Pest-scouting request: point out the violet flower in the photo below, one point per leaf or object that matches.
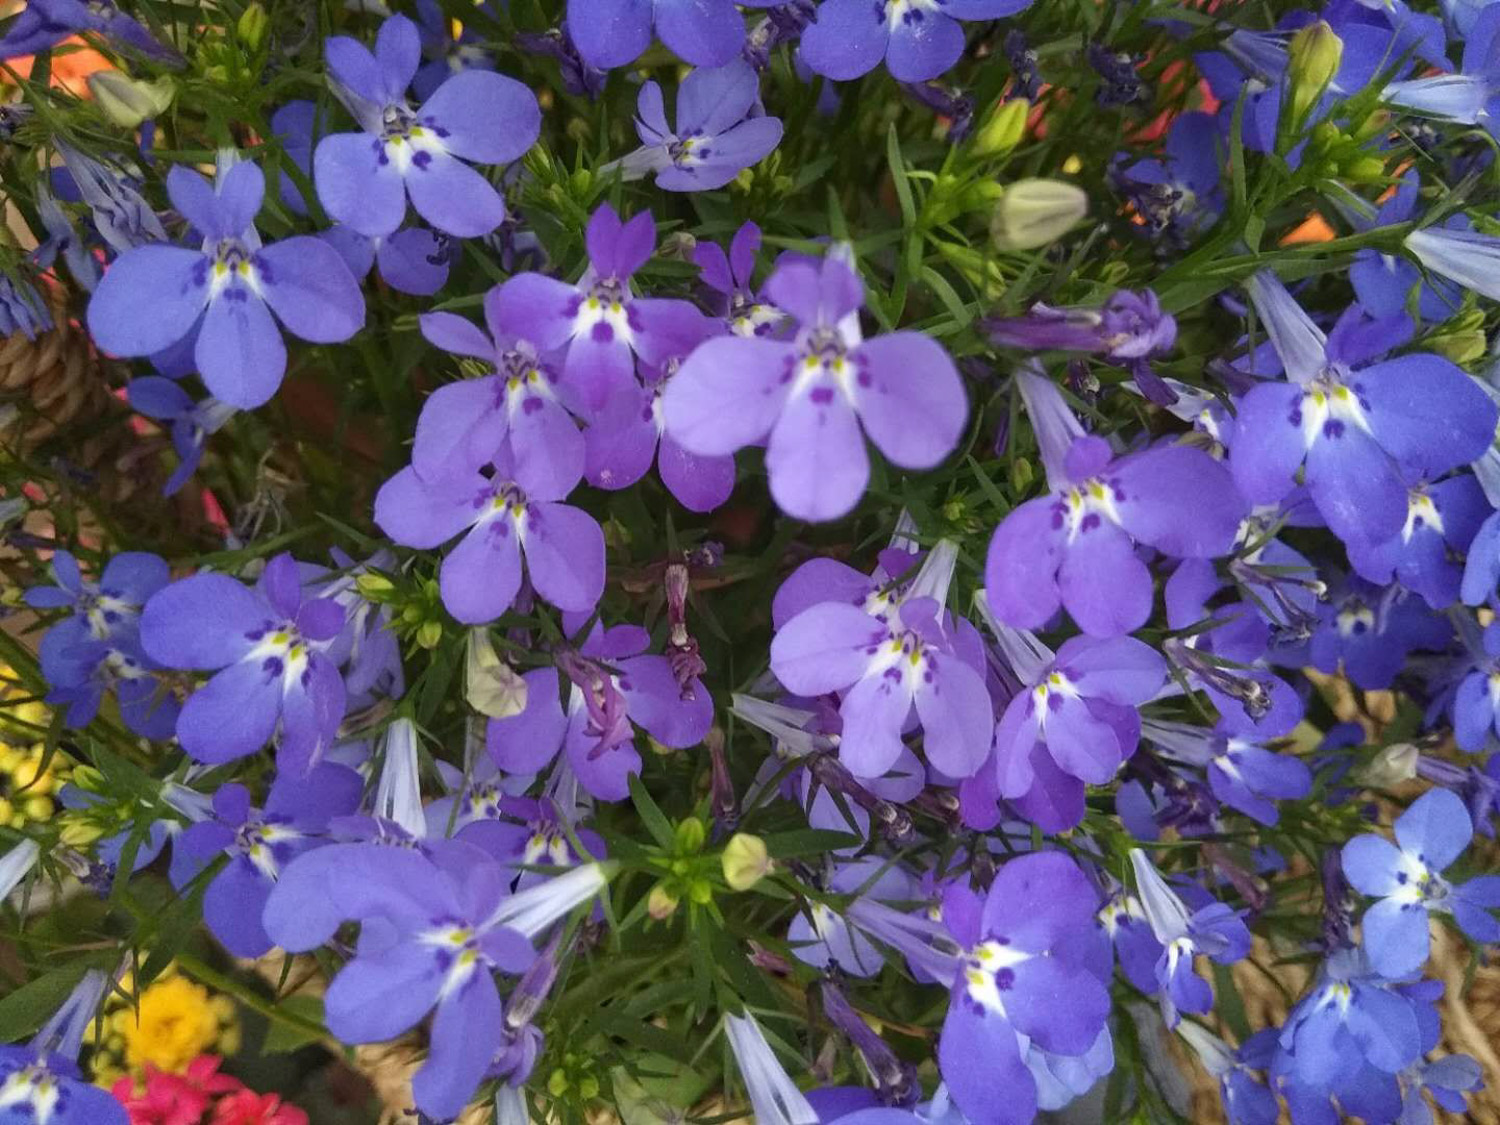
(191, 423)
(40, 1083)
(745, 311)
(271, 643)
(364, 179)
(43, 24)
(808, 397)
(917, 39)
(219, 299)
(611, 33)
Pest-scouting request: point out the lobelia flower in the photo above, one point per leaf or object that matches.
(745, 311)
(1384, 282)
(42, 24)
(1245, 1097)
(528, 833)
(599, 320)
(122, 218)
(505, 522)
(191, 423)
(432, 937)
(1347, 1039)
(412, 260)
(721, 130)
(888, 661)
(1124, 922)
(271, 642)
(611, 33)
(63, 240)
(1073, 723)
(819, 936)
(1179, 195)
(40, 1083)
(579, 78)
(1019, 971)
(773, 1095)
(1362, 431)
(1442, 520)
(1076, 547)
(629, 432)
(1407, 879)
(446, 55)
(464, 424)
(811, 395)
(1215, 931)
(1367, 633)
(97, 651)
(259, 845)
(917, 39)
(1242, 772)
(22, 308)
(220, 298)
(364, 179)
(615, 684)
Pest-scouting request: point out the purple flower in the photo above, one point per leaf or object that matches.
(888, 661)
(1215, 931)
(1178, 195)
(1073, 724)
(219, 299)
(918, 39)
(434, 935)
(1124, 921)
(1019, 971)
(191, 423)
(527, 833)
(610, 33)
(599, 319)
(1384, 282)
(364, 179)
(810, 395)
(46, 23)
(629, 433)
(563, 546)
(1242, 773)
(40, 1083)
(820, 936)
(271, 642)
(414, 260)
(615, 687)
(1245, 1097)
(745, 311)
(445, 55)
(464, 425)
(1362, 431)
(259, 845)
(1367, 632)
(122, 218)
(1442, 520)
(97, 651)
(1076, 547)
(721, 130)
(1406, 878)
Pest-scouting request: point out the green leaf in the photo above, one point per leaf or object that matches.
(29, 1006)
(651, 815)
(898, 175)
(283, 1036)
(807, 841)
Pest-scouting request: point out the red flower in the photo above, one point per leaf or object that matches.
(181, 1099)
(249, 1108)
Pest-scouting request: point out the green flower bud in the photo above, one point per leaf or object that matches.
(701, 891)
(126, 101)
(1004, 129)
(429, 634)
(690, 835)
(1313, 57)
(252, 27)
(745, 861)
(1034, 213)
(374, 586)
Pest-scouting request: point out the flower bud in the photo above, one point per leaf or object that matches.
(430, 633)
(252, 26)
(1393, 765)
(1004, 129)
(745, 861)
(127, 102)
(662, 903)
(1034, 213)
(689, 836)
(374, 586)
(492, 687)
(1313, 55)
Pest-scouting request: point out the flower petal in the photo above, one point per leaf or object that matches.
(910, 398)
(148, 300)
(486, 117)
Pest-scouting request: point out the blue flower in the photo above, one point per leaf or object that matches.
(1406, 878)
(363, 179)
(46, 23)
(721, 130)
(1215, 931)
(191, 423)
(40, 1084)
(220, 297)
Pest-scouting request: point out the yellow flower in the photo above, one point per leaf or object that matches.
(177, 1022)
(26, 789)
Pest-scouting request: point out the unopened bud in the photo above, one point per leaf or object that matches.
(374, 586)
(1034, 213)
(689, 836)
(1393, 765)
(492, 687)
(662, 902)
(1313, 57)
(745, 861)
(430, 633)
(127, 102)
(1004, 129)
(252, 26)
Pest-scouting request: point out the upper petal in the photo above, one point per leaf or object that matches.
(910, 398)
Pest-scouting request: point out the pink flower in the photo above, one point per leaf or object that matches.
(246, 1107)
